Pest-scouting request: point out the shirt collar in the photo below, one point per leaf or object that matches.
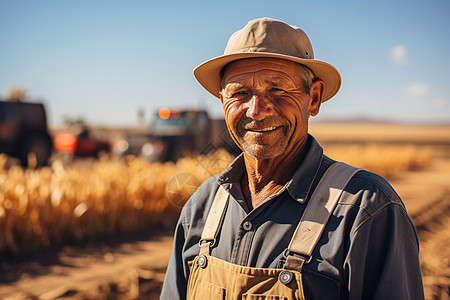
(301, 182)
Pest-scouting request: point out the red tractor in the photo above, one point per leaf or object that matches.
(78, 142)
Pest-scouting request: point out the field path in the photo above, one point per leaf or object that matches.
(420, 188)
(426, 194)
(90, 272)
(128, 270)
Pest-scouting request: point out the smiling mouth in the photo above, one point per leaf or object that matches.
(266, 129)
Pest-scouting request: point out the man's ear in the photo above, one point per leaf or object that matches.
(316, 95)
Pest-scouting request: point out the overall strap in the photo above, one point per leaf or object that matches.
(214, 220)
(317, 213)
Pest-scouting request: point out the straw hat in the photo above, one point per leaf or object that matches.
(267, 37)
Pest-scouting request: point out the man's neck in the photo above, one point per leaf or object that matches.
(265, 177)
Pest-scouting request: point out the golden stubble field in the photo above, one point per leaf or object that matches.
(74, 203)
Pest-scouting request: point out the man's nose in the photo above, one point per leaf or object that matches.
(259, 107)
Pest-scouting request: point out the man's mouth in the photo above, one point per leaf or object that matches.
(263, 129)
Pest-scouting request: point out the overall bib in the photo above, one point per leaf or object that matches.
(213, 279)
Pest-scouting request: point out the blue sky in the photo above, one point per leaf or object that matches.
(104, 60)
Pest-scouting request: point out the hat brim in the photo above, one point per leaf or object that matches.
(208, 73)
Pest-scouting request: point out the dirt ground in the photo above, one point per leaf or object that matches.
(426, 194)
(115, 268)
(133, 267)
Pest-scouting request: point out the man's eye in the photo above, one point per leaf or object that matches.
(276, 90)
(240, 93)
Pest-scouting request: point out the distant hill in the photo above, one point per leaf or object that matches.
(371, 121)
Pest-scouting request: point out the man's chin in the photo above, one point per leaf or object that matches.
(261, 152)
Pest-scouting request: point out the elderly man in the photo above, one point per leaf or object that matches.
(285, 221)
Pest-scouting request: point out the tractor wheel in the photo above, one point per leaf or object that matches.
(35, 151)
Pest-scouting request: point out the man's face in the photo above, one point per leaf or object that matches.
(266, 107)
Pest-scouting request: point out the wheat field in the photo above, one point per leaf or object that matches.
(41, 208)
(62, 203)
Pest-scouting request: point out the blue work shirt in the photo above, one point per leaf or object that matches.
(369, 248)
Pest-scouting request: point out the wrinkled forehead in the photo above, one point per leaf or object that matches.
(271, 70)
(260, 62)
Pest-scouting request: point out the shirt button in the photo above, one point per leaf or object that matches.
(247, 225)
(285, 277)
